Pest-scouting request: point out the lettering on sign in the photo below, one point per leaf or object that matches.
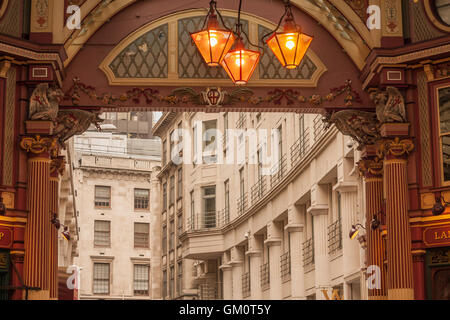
(6, 237)
(437, 236)
(2, 234)
(334, 296)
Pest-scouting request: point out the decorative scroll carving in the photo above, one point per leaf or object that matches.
(44, 104)
(73, 121)
(190, 96)
(39, 144)
(395, 147)
(58, 164)
(362, 126)
(390, 105)
(370, 167)
(212, 96)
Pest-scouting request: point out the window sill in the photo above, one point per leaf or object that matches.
(142, 210)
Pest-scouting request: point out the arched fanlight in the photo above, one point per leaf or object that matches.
(240, 63)
(213, 42)
(290, 45)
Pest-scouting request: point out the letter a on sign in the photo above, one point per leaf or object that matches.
(73, 21)
(374, 279)
(374, 20)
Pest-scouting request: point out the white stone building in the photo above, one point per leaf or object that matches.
(117, 207)
(260, 230)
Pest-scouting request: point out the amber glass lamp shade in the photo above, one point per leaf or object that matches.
(213, 42)
(240, 63)
(289, 46)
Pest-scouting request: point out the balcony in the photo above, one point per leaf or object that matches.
(335, 236)
(246, 285)
(278, 171)
(319, 127)
(207, 292)
(242, 204)
(224, 217)
(241, 120)
(308, 252)
(285, 266)
(258, 190)
(203, 239)
(265, 276)
(300, 148)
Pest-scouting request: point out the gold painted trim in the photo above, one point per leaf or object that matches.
(17, 252)
(395, 161)
(39, 159)
(431, 224)
(436, 107)
(433, 17)
(433, 218)
(13, 219)
(174, 80)
(4, 7)
(374, 179)
(417, 252)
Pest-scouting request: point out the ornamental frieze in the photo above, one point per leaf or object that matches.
(189, 96)
(58, 164)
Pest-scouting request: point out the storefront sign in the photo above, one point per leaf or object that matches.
(437, 236)
(6, 237)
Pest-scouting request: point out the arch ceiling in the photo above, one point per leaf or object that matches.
(343, 19)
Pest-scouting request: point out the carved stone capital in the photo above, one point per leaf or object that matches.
(58, 164)
(395, 148)
(371, 167)
(37, 144)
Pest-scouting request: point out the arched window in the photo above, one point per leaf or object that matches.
(442, 9)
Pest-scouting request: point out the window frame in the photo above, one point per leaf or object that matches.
(134, 280)
(147, 245)
(95, 197)
(108, 232)
(94, 279)
(438, 135)
(148, 200)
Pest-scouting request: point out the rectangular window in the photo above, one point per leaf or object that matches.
(227, 195)
(179, 278)
(195, 144)
(141, 235)
(172, 282)
(141, 199)
(102, 233)
(172, 143)
(172, 234)
(225, 128)
(164, 240)
(101, 278)
(444, 131)
(102, 197)
(141, 280)
(164, 152)
(241, 183)
(209, 141)
(192, 210)
(164, 198)
(171, 190)
(164, 284)
(180, 183)
(180, 224)
(209, 207)
(280, 143)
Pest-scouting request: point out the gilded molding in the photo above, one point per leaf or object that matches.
(395, 147)
(371, 167)
(39, 144)
(58, 164)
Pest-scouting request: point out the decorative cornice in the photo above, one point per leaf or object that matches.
(318, 209)
(395, 147)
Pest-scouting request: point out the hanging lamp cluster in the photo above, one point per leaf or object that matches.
(215, 44)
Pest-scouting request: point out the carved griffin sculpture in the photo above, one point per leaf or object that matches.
(390, 105)
(44, 104)
(73, 121)
(362, 126)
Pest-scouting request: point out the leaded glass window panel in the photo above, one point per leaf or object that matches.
(444, 118)
(190, 62)
(146, 57)
(271, 68)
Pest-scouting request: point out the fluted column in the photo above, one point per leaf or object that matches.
(273, 241)
(400, 270)
(372, 168)
(56, 167)
(37, 234)
(237, 267)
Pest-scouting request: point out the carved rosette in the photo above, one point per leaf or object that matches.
(395, 148)
(58, 164)
(37, 144)
(371, 168)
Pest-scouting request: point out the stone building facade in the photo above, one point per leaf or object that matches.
(255, 227)
(116, 197)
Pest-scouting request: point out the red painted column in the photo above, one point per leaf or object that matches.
(419, 274)
(37, 233)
